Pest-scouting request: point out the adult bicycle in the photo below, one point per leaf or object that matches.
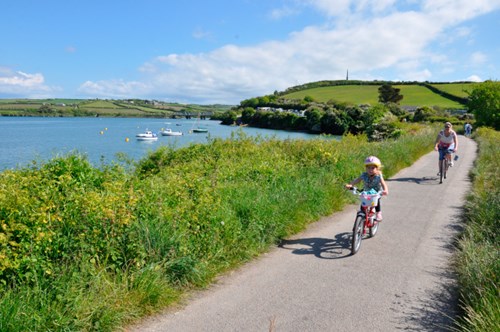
(444, 164)
(365, 221)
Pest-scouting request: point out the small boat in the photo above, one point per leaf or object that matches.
(200, 130)
(148, 135)
(196, 127)
(170, 132)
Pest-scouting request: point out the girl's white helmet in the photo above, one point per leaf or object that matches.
(372, 161)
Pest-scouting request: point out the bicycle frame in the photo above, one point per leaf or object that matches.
(368, 214)
(443, 163)
(365, 222)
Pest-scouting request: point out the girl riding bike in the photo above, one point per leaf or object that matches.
(372, 179)
(446, 143)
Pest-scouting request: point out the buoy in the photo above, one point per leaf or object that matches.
(126, 139)
(102, 132)
(106, 128)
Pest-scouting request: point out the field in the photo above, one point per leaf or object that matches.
(457, 89)
(413, 95)
(417, 95)
(355, 94)
(109, 108)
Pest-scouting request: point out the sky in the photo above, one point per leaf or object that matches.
(226, 51)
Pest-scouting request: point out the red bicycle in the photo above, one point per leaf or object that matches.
(365, 221)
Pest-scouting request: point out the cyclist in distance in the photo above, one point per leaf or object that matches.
(446, 142)
(468, 129)
(372, 179)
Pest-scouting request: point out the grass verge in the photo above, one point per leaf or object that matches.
(478, 259)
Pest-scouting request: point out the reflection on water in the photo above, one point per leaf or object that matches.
(24, 139)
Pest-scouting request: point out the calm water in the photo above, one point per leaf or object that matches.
(23, 140)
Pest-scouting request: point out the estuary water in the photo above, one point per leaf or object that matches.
(25, 139)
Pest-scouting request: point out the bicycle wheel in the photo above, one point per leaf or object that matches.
(357, 233)
(441, 169)
(446, 166)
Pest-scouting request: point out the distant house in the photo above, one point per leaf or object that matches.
(280, 110)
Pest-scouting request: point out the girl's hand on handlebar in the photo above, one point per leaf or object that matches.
(385, 193)
(348, 186)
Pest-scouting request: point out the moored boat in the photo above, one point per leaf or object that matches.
(200, 130)
(170, 132)
(148, 135)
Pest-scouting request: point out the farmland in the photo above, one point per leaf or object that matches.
(106, 108)
(413, 94)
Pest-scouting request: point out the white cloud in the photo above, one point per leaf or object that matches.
(200, 33)
(18, 83)
(279, 13)
(478, 58)
(114, 89)
(344, 8)
(474, 78)
(394, 40)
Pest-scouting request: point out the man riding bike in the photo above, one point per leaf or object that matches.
(446, 143)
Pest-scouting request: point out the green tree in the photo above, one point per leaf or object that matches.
(423, 114)
(374, 114)
(389, 94)
(395, 109)
(335, 122)
(229, 117)
(247, 115)
(308, 99)
(313, 117)
(252, 102)
(45, 109)
(484, 103)
(264, 100)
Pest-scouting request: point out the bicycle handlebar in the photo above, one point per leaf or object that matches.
(356, 191)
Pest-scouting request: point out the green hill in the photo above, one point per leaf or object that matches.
(443, 95)
(109, 108)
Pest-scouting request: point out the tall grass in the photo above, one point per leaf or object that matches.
(478, 260)
(87, 249)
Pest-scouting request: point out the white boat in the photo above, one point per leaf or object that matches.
(170, 132)
(148, 135)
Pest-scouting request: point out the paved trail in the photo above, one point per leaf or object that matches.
(399, 280)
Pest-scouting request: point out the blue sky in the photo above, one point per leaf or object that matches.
(225, 51)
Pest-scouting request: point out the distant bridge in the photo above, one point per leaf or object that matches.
(188, 115)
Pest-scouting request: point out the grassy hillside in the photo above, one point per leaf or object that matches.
(457, 89)
(355, 94)
(414, 94)
(109, 108)
(417, 95)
